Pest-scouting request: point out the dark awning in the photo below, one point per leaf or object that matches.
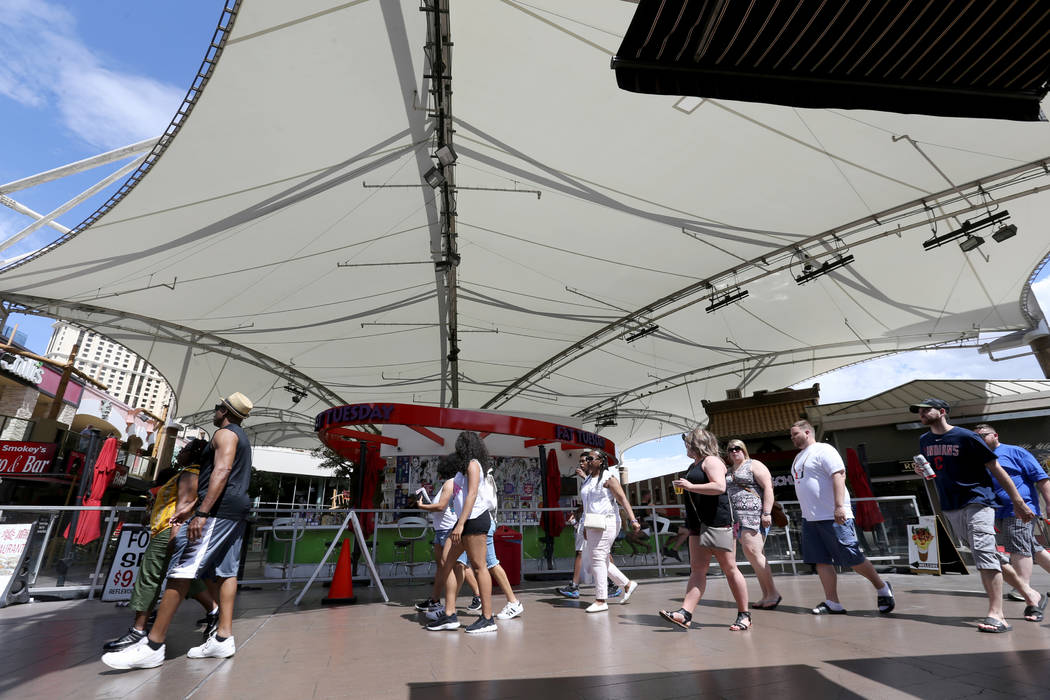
(957, 58)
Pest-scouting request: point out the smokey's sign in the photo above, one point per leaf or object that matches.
(26, 457)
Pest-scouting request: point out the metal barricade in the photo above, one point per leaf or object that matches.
(284, 544)
(89, 564)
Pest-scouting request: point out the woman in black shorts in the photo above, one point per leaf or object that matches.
(472, 499)
(710, 522)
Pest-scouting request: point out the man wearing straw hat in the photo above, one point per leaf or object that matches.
(209, 546)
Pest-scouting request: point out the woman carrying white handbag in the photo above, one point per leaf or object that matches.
(600, 493)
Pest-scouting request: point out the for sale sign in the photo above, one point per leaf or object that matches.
(26, 457)
(126, 562)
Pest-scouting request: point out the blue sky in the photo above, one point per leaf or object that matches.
(79, 78)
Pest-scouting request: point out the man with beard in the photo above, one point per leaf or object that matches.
(209, 546)
(964, 466)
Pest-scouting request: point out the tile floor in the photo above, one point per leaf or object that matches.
(928, 648)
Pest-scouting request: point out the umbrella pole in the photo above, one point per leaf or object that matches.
(89, 469)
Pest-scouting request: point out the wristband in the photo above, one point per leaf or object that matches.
(202, 514)
(767, 514)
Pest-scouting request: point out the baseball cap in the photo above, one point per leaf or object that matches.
(929, 403)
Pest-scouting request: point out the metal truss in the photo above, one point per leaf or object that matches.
(109, 322)
(753, 365)
(143, 165)
(962, 199)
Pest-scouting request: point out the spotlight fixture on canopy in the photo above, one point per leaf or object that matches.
(968, 227)
(1004, 232)
(729, 297)
(641, 333)
(434, 177)
(829, 265)
(298, 393)
(605, 420)
(971, 242)
(446, 155)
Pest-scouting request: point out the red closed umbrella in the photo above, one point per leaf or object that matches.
(88, 525)
(866, 513)
(553, 521)
(369, 484)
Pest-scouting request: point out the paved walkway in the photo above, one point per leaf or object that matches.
(929, 648)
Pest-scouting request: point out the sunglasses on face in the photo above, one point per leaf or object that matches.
(588, 458)
(735, 449)
(219, 407)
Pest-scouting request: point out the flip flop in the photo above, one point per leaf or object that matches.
(768, 606)
(686, 616)
(993, 626)
(1034, 613)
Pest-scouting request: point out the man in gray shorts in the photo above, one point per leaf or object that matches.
(209, 546)
(1013, 535)
(964, 466)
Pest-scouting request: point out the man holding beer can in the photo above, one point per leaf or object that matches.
(964, 467)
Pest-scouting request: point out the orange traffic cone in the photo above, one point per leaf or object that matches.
(341, 592)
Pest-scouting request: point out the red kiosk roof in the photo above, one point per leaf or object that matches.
(333, 426)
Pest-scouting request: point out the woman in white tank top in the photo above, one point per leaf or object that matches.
(601, 494)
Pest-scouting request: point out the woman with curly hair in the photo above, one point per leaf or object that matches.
(709, 518)
(473, 498)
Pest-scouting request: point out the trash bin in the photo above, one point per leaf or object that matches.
(507, 543)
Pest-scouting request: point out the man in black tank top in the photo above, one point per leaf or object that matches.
(207, 546)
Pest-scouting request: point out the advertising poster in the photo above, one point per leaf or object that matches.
(14, 540)
(126, 562)
(923, 546)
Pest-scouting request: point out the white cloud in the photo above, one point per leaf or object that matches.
(47, 66)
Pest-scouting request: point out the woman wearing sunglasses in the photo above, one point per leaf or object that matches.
(710, 522)
(600, 493)
(750, 488)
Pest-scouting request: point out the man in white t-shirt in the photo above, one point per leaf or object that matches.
(828, 535)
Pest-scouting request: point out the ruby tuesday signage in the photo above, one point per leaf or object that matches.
(458, 419)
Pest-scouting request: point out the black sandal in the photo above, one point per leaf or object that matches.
(743, 622)
(687, 617)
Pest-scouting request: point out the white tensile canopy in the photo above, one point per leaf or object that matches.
(285, 236)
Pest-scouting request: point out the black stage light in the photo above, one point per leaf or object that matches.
(730, 297)
(1004, 232)
(648, 330)
(829, 265)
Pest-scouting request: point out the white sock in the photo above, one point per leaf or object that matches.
(884, 591)
(833, 605)
(215, 611)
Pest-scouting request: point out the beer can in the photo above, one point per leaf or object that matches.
(924, 466)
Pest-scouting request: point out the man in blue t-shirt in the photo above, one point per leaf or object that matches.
(1013, 535)
(964, 467)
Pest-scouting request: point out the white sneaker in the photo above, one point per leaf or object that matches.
(213, 648)
(628, 591)
(510, 610)
(138, 655)
(597, 607)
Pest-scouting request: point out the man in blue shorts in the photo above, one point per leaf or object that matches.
(963, 467)
(828, 535)
(208, 547)
(1013, 535)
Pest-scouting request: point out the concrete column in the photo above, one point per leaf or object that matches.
(17, 403)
